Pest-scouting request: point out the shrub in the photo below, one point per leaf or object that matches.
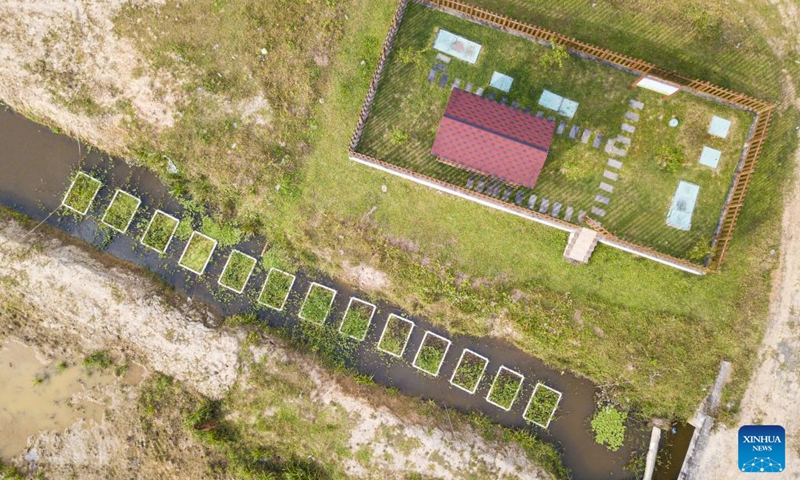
(554, 57)
(397, 137)
(670, 158)
(608, 426)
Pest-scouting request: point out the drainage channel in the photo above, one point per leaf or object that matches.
(38, 166)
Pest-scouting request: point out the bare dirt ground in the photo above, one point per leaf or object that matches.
(64, 301)
(772, 396)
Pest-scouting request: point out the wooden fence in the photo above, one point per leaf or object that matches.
(763, 110)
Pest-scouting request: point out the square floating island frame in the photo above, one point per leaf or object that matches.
(501, 386)
(427, 351)
(546, 408)
(118, 196)
(147, 231)
(317, 302)
(288, 282)
(398, 321)
(464, 368)
(82, 180)
(231, 263)
(191, 245)
(352, 306)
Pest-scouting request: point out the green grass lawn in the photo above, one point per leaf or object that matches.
(357, 319)
(276, 289)
(82, 192)
(505, 388)
(542, 406)
(198, 252)
(317, 304)
(121, 211)
(395, 335)
(237, 271)
(469, 371)
(159, 232)
(431, 354)
(397, 133)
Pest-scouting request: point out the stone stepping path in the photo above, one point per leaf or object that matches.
(539, 114)
(443, 80)
(556, 209)
(442, 58)
(636, 104)
(581, 214)
(506, 194)
(515, 105)
(544, 206)
(471, 182)
(561, 127)
(551, 119)
(623, 140)
(573, 133)
(526, 110)
(431, 76)
(439, 67)
(610, 175)
(468, 88)
(597, 141)
(587, 134)
(634, 117)
(479, 91)
(519, 197)
(568, 214)
(614, 163)
(606, 187)
(532, 202)
(602, 199)
(456, 83)
(481, 185)
(628, 128)
(598, 211)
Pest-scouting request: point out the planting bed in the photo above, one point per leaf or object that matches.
(81, 193)
(505, 388)
(276, 289)
(121, 210)
(542, 405)
(469, 371)
(317, 304)
(237, 271)
(431, 353)
(197, 253)
(159, 231)
(395, 335)
(357, 318)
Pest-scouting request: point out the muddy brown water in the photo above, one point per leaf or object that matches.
(36, 169)
(37, 395)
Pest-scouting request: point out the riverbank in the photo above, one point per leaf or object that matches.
(103, 306)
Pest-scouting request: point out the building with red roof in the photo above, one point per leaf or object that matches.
(492, 139)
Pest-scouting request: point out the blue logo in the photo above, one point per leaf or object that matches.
(762, 448)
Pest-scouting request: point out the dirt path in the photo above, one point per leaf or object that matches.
(772, 396)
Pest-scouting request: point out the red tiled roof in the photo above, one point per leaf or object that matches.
(479, 134)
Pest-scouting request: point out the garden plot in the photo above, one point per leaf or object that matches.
(159, 231)
(395, 335)
(197, 253)
(317, 303)
(469, 371)
(542, 405)
(357, 318)
(276, 289)
(237, 271)
(81, 193)
(505, 388)
(431, 353)
(121, 210)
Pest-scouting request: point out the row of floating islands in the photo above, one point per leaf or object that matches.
(317, 303)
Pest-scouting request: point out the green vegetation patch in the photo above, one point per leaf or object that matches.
(395, 335)
(608, 426)
(197, 253)
(542, 405)
(81, 193)
(407, 110)
(317, 304)
(469, 371)
(431, 353)
(357, 318)
(505, 388)
(237, 271)
(99, 360)
(121, 210)
(159, 232)
(276, 289)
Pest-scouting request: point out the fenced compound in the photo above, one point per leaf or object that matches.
(641, 68)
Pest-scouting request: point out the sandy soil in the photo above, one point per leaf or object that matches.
(71, 301)
(772, 396)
